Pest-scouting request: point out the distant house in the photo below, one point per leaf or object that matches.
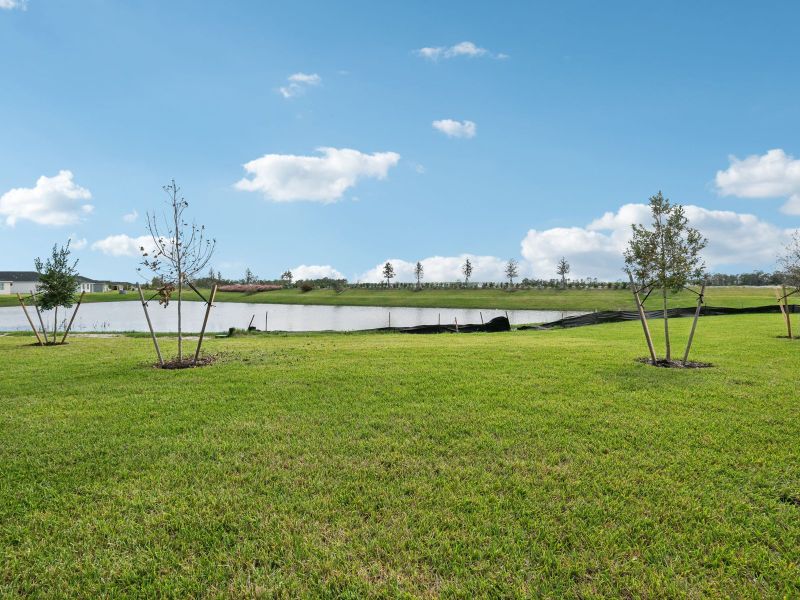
(27, 282)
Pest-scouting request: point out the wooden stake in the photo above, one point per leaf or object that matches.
(266, 322)
(788, 316)
(251, 322)
(205, 321)
(694, 323)
(643, 319)
(75, 312)
(25, 310)
(456, 320)
(150, 325)
(41, 321)
(481, 314)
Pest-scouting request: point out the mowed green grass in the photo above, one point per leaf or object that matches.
(543, 464)
(534, 299)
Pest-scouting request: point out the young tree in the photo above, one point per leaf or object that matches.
(180, 251)
(388, 273)
(790, 261)
(563, 269)
(666, 256)
(512, 270)
(211, 276)
(467, 271)
(58, 281)
(418, 273)
(287, 277)
(248, 276)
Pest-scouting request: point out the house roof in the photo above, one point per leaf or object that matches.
(16, 276)
(19, 276)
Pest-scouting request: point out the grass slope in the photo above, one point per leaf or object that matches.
(364, 465)
(545, 299)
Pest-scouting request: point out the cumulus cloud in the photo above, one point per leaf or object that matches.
(123, 245)
(442, 268)
(299, 83)
(12, 4)
(771, 175)
(54, 201)
(77, 244)
(468, 49)
(315, 272)
(131, 216)
(456, 129)
(288, 178)
(596, 249)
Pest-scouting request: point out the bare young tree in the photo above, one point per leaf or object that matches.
(467, 271)
(179, 251)
(418, 273)
(789, 261)
(666, 256)
(512, 270)
(562, 269)
(248, 276)
(388, 273)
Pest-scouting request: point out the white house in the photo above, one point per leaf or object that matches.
(27, 282)
(18, 282)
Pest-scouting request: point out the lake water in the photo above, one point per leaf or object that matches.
(129, 316)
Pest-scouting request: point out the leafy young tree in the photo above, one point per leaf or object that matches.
(512, 270)
(248, 276)
(418, 273)
(287, 277)
(562, 269)
(388, 273)
(58, 281)
(666, 256)
(467, 270)
(180, 251)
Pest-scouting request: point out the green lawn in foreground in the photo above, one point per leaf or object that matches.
(544, 464)
(546, 299)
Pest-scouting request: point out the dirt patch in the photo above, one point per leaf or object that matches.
(787, 499)
(187, 363)
(675, 364)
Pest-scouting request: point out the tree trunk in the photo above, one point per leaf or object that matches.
(666, 326)
(55, 324)
(180, 334)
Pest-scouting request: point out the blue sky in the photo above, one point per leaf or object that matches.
(578, 112)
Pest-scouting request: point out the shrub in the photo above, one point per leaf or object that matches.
(306, 287)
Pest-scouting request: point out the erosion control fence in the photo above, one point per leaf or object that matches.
(616, 316)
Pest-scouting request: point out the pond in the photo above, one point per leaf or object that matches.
(128, 316)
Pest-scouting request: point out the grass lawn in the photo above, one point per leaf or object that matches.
(545, 299)
(545, 464)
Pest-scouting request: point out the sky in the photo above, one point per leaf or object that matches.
(328, 138)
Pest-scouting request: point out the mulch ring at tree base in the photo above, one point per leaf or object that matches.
(675, 364)
(187, 363)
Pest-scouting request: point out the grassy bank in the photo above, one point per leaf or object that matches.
(358, 465)
(546, 299)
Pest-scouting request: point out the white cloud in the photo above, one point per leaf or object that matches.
(596, 250)
(53, 201)
(299, 83)
(123, 245)
(456, 129)
(442, 268)
(77, 244)
(771, 175)
(315, 272)
(468, 49)
(287, 178)
(12, 4)
(131, 216)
